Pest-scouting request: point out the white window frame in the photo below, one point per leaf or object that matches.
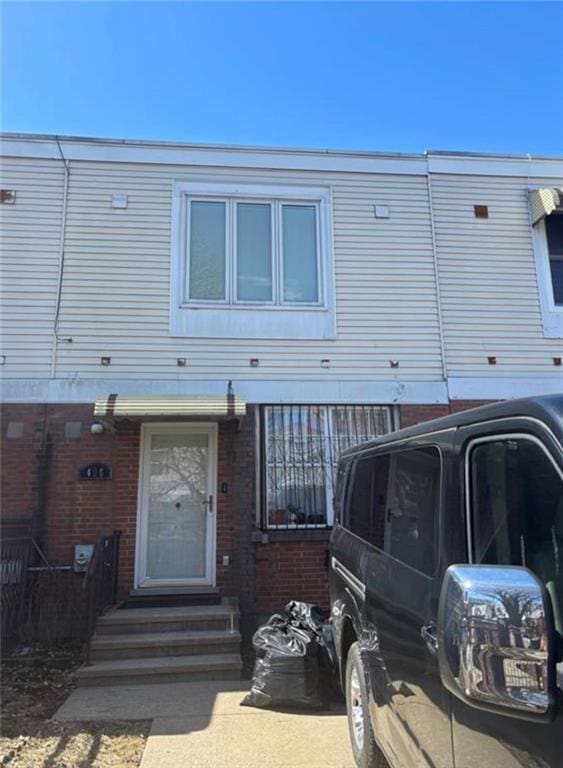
(231, 252)
(552, 313)
(233, 317)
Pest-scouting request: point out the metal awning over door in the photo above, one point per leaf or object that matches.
(117, 405)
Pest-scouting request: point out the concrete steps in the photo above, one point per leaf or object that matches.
(152, 644)
(194, 617)
(179, 643)
(162, 669)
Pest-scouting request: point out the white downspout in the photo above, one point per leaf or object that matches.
(436, 276)
(61, 263)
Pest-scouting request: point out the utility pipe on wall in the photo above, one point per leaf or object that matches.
(436, 270)
(66, 166)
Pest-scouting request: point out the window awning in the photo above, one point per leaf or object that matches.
(544, 201)
(170, 405)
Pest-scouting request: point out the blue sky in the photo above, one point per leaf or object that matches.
(379, 76)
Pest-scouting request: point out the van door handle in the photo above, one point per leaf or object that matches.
(428, 634)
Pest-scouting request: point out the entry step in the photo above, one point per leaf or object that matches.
(169, 619)
(162, 669)
(153, 644)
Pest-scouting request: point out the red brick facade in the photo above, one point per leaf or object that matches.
(41, 458)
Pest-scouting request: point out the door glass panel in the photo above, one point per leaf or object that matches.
(300, 279)
(177, 513)
(207, 250)
(254, 252)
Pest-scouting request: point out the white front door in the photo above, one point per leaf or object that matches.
(176, 517)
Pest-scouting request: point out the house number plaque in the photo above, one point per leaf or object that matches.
(95, 471)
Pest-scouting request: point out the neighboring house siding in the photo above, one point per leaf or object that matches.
(488, 282)
(117, 269)
(30, 241)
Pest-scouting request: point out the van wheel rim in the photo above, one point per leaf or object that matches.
(356, 709)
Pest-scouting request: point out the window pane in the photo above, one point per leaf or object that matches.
(556, 266)
(254, 252)
(413, 506)
(554, 229)
(300, 279)
(517, 512)
(207, 250)
(366, 513)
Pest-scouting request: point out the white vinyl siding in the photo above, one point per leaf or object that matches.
(30, 240)
(117, 279)
(116, 293)
(488, 281)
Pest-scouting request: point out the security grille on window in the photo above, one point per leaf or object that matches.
(301, 446)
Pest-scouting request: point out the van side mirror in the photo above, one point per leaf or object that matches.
(496, 640)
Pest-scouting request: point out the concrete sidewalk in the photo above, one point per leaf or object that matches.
(202, 725)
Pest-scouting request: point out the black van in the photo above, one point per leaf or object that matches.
(447, 590)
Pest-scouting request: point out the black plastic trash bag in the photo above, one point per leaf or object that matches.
(293, 660)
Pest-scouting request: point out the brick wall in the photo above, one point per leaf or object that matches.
(41, 458)
(416, 414)
(126, 474)
(291, 570)
(22, 443)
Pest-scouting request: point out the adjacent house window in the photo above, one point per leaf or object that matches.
(546, 208)
(252, 261)
(301, 447)
(554, 233)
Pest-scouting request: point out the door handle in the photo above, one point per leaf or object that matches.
(428, 634)
(209, 503)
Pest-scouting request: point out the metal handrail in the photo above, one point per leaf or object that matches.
(100, 582)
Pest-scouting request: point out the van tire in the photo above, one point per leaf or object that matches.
(365, 750)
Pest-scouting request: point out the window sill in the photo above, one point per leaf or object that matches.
(253, 323)
(295, 534)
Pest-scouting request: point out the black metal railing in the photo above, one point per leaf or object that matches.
(100, 583)
(47, 604)
(15, 551)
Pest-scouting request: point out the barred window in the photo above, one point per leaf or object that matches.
(301, 446)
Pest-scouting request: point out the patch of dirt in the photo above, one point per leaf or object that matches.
(32, 688)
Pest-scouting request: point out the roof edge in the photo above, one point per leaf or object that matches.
(322, 151)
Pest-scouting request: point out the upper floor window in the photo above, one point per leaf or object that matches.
(252, 261)
(242, 251)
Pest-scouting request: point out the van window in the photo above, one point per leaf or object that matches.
(517, 511)
(342, 476)
(413, 503)
(366, 510)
